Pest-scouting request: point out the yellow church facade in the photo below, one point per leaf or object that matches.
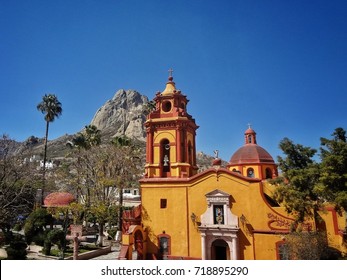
(220, 213)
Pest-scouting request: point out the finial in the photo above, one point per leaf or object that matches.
(170, 74)
(249, 126)
(216, 153)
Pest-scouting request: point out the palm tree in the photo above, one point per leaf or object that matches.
(92, 135)
(51, 108)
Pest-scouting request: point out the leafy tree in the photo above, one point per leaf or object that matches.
(17, 249)
(333, 187)
(99, 175)
(36, 226)
(17, 187)
(91, 136)
(296, 188)
(54, 236)
(51, 108)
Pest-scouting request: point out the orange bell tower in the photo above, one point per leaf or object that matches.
(171, 131)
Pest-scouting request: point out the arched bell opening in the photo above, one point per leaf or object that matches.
(165, 157)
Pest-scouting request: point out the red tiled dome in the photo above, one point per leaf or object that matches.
(58, 199)
(251, 153)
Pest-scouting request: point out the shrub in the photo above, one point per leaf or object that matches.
(55, 236)
(17, 249)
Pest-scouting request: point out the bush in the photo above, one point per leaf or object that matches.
(35, 225)
(55, 236)
(17, 227)
(38, 239)
(112, 232)
(17, 249)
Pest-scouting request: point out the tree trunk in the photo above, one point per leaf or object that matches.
(120, 213)
(44, 164)
(101, 234)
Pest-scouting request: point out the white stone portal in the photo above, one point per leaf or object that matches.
(218, 223)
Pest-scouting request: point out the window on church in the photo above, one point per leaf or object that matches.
(250, 139)
(282, 251)
(163, 203)
(268, 173)
(165, 156)
(164, 244)
(250, 172)
(218, 214)
(167, 106)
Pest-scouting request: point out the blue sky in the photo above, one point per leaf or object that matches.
(279, 65)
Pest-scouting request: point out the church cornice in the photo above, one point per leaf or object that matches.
(163, 123)
(196, 177)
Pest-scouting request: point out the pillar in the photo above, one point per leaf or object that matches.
(203, 246)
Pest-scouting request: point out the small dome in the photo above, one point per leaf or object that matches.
(58, 199)
(251, 153)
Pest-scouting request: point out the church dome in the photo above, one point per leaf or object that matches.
(251, 152)
(58, 199)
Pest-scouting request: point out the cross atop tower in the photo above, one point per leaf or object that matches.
(170, 72)
(249, 126)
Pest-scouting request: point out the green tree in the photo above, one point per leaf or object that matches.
(334, 168)
(100, 174)
(51, 108)
(89, 137)
(36, 226)
(296, 189)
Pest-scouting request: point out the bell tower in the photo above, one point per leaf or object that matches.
(171, 131)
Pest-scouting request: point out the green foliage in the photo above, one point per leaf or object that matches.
(306, 184)
(99, 174)
(36, 223)
(297, 156)
(91, 136)
(50, 107)
(296, 190)
(55, 236)
(121, 141)
(112, 232)
(17, 249)
(334, 168)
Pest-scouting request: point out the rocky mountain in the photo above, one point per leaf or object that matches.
(123, 114)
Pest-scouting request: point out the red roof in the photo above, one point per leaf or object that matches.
(58, 199)
(251, 153)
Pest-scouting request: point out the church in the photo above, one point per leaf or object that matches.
(222, 213)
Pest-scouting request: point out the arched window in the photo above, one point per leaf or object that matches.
(164, 245)
(165, 156)
(250, 172)
(282, 250)
(268, 173)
